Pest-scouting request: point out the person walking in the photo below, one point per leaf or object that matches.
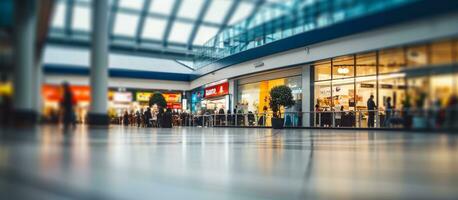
(148, 117)
(68, 115)
(125, 118)
(388, 112)
(371, 107)
(138, 118)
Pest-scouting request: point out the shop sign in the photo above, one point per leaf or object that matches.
(143, 96)
(173, 105)
(122, 97)
(367, 85)
(386, 86)
(217, 90)
(54, 93)
(172, 97)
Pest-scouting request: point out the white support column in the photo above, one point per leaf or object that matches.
(24, 57)
(99, 64)
(233, 94)
(306, 95)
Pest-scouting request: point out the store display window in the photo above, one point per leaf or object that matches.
(417, 56)
(441, 52)
(391, 60)
(366, 64)
(343, 67)
(323, 70)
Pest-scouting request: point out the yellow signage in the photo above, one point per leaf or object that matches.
(143, 96)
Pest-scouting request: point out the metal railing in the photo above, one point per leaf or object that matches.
(406, 118)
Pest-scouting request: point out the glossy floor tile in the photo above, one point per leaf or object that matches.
(225, 163)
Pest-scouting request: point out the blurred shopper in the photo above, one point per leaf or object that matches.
(338, 115)
(6, 111)
(388, 112)
(371, 112)
(66, 105)
(138, 117)
(148, 117)
(125, 119)
(154, 118)
(317, 114)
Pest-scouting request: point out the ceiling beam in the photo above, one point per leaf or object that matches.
(69, 17)
(141, 21)
(198, 22)
(172, 17)
(133, 49)
(112, 18)
(230, 13)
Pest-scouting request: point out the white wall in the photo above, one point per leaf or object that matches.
(121, 82)
(442, 26)
(79, 56)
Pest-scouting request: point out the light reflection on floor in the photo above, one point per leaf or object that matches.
(225, 163)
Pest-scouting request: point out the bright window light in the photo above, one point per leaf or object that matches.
(204, 34)
(190, 8)
(162, 6)
(58, 20)
(217, 11)
(81, 18)
(154, 28)
(180, 32)
(126, 24)
(243, 11)
(132, 4)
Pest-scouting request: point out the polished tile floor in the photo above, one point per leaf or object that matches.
(225, 163)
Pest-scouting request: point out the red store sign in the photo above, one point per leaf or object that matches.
(217, 90)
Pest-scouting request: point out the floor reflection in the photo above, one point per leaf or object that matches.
(226, 163)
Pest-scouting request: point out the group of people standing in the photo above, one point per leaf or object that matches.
(148, 118)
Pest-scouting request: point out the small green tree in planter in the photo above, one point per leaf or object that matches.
(157, 99)
(280, 96)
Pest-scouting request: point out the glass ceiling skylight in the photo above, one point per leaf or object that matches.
(187, 28)
(162, 6)
(180, 32)
(190, 8)
(217, 11)
(126, 24)
(154, 28)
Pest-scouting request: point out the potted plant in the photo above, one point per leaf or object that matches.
(159, 100)
(280, 96)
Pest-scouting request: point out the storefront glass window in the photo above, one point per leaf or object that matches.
(393, 86)
(391, 60)
(366, 64)
(365, 87)
(255, 96)
(441, 89)
(455, 51)
(418, 87)
(323, 94)
(343, 93)
(322, 70)
(248, 94)
(441, 52)
(343, 67)
(417, 56)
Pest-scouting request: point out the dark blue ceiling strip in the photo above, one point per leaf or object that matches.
(119, 73)
(413, 11)
(141, 21)
(198, 22)
(170, 22)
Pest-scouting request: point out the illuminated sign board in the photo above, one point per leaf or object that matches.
(217, 90)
